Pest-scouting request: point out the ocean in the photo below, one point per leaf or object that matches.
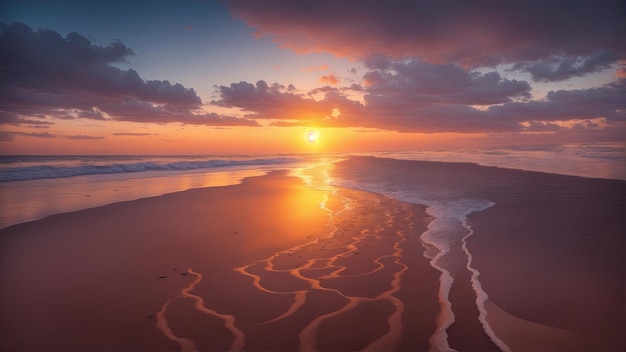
(33, 187)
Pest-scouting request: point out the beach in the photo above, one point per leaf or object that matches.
(549, 252)
(366, 254)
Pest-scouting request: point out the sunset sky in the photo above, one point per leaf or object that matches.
(249, 77)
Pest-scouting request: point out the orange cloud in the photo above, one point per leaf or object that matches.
(329, 79)
(621, 70)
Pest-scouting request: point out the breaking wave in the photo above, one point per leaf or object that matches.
(58, 170)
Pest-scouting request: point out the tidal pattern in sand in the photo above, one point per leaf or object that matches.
(338, 269)
(355, 288)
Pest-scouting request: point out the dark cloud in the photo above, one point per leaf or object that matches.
(450, 84)
(607, 101)
(9, 118)
(562, 68)
(133, 134)
(324, 89)
(469, 33)
(262, 101)
(84, 137)
(414, 96)
(43, 73)
(26, 134)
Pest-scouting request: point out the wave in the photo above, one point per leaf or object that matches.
(34, 172)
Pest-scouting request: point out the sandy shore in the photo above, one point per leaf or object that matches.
(272, 264)
(256, 266)
(550, 253)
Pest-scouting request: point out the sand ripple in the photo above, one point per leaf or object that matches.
(326, 272)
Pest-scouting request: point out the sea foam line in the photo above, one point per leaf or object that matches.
(439, 340)
(447, 214)
(34, 172)
(481, 295)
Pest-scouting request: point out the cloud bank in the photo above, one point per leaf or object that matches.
(469, 33)
(414, 96)
(43, 75)
(437, 65)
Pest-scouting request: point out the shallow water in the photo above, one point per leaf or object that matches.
(47, 186)
(38, 197)
(445, 238)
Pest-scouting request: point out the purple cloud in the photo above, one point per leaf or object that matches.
(84, 137)
(472, 34)
(263, 101)
(46, 74)
(447, 83)
(414, 96)
(7, 136)
(133, 134)
(562, 68)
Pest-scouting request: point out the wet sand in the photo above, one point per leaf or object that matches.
(551, 252)
(559, 261)
(270, 264)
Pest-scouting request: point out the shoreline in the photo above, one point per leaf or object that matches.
(97, 271)
(158, 273)
(24, 201)
(549, 246)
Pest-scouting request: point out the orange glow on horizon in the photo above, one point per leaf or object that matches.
(123, 138)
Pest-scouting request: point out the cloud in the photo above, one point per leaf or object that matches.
(329, 79)
(471, 34)
(416, 96)
(133, 134)
(9, 118)
(446, 83)
(562, 68)
(45, 74)
(607, 101)
(7, 136)
(263, 101)
(84, 137)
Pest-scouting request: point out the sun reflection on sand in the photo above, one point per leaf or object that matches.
(325, 282)
(359, 261)
(317, 176)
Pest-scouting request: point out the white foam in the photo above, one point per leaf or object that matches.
(19, 172)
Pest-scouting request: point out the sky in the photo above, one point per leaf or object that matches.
(257, 77)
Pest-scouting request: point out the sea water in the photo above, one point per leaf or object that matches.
(448, 227)
(593, 160)
(33, 187)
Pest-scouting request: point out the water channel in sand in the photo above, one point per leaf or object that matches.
(326, 265)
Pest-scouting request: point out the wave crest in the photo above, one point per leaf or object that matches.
(47, 171)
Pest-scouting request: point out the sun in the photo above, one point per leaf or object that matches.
(312, 136)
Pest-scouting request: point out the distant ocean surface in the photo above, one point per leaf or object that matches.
(33, 187)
